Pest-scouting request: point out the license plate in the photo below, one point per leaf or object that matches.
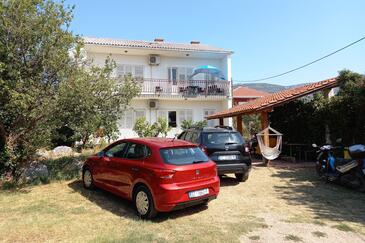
(227, 157)
(199, 193)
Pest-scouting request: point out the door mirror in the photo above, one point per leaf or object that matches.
(101, 154)
(314, 145)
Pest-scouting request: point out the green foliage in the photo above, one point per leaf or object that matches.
(161, 127)
(252, 125)
(64, 168)
(91, 99)
(144, 129)
(63, 136)
(344, 114)
(34, 60)
(46, 83)
(186, 124)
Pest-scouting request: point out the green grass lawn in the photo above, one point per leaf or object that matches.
(64, 211)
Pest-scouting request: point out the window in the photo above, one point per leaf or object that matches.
(211, 123)
(137, 71)
(219, 138)
(162, 114)
(183, 156)
(139, 113)
(129, 117)
(172, 72)
(116, 151)
(179, 74)
(195, 137)
(182, 136)
(137, 151)
(185, 115)
(185, 73)
(188, 136)
(172, 118)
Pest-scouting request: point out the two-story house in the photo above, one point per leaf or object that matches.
(169, 88)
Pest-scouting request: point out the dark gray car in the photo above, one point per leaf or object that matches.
(225, 147)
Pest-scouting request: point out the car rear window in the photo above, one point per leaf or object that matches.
(183, 156)
(219, 138)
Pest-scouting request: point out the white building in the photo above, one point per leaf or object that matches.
(165, 69)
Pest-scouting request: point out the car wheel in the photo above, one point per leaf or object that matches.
(241, 177)
(87, 179)
(143, 202)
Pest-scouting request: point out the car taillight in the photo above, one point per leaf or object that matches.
(164, 174)
(204, 149)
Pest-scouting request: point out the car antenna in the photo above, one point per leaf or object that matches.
(173, 139)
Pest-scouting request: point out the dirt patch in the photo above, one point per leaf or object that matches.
(280, 230)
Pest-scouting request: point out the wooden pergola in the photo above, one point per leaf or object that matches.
(266, 104)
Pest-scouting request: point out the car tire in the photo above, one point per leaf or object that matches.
(87, 179)
(241, 177)
(143, 202)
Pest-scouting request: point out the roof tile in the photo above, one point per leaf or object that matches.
(269, 101)
(153, 45)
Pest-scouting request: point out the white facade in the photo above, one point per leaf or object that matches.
(169, 84)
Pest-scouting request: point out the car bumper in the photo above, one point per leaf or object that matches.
(233, 168)
(169, 197)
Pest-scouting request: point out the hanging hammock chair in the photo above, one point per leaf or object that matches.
(266, 151)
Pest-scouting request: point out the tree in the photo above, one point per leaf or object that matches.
(91, 98)
(46, 83)
(34, 59)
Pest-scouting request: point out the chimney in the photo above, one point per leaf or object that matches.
(159, 40)
(194, 42)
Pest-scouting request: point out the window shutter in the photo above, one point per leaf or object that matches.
(128, 70)
(162, 114)
(181, 73)
(129, 119)
(181, 117)
(120, 70)
(189, 115)
(138, 72)
(140, 113)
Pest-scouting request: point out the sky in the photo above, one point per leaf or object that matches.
(268, 37)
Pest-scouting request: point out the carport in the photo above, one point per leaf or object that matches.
(266, 104)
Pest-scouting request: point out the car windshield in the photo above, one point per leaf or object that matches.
(222, 138)
(183, 156)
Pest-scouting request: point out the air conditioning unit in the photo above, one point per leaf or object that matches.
(153, 104)
(154, 60)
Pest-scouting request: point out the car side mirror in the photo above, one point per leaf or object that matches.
(314, 145)
(101, 154)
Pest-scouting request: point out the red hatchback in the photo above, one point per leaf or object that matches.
(157, 174)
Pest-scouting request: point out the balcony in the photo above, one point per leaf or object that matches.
(185, 89)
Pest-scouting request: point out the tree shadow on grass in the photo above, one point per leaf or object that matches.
(326, 200)
(124, 208)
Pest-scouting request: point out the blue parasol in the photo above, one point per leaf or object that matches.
(207, 69)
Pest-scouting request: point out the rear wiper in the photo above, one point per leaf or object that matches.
(230, 143)
(198, 161)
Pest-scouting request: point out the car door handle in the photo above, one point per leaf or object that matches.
(135, 169)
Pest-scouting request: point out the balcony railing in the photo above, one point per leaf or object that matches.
(187, 89)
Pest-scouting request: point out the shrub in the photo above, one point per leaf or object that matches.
(144, 129)
(186, 124)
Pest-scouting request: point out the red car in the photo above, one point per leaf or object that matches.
(157, 174)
